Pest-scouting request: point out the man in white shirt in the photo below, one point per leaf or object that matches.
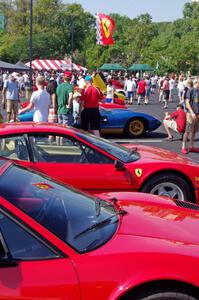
(10, 95)
(130, 87)
(40, 101)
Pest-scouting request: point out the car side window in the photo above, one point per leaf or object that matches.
(21, 244)
(14, 147)
(64, 149)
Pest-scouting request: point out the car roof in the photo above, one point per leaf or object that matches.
(14, 128)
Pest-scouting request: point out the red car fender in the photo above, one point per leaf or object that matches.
(153, 169)
(115, 273)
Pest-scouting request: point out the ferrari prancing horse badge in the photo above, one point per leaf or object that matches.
(138, 172)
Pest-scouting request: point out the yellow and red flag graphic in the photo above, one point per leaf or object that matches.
(43, 186)
(104, 29)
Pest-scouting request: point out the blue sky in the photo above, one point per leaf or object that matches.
(160, 10)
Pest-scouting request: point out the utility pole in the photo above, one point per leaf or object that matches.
(30, 45)
(72, 41)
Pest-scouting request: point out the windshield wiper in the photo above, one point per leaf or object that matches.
(101, 223)
(133, 151)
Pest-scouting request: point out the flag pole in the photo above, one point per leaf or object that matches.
(97, 57)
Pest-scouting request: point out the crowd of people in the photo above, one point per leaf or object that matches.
(185, 120)
(72, 99)
(54, 99)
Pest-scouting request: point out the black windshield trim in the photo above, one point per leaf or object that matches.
(59, 253)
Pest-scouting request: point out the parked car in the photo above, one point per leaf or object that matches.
(58, 243)
(95, 164)
(116, 120)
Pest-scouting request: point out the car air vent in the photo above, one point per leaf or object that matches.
(187, 205)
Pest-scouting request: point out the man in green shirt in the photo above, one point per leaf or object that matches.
(64, 98)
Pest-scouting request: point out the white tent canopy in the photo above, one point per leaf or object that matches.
(56, 65)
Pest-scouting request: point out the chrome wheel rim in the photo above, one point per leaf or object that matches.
(168, 189)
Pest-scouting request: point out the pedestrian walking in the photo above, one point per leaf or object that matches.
(51, 89)
(141, 90)
(64, 94)
(181, 88)
(130, 87)
(166, 91)
(172, 87)
(153, 84)
(160, 89)
(148, 89)
(10, 95)
(192, 106)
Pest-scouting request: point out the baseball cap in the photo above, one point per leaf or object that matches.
(68, 74)
(88, 78)
(14, 74)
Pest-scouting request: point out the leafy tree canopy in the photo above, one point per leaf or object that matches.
(66, 30)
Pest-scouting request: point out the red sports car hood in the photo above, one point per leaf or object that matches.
(149, 153)
(157, 217)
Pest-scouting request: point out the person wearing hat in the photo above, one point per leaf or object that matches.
(64, 93)
(76, 109)
(90, 115)
(10, 96)
(51, 89)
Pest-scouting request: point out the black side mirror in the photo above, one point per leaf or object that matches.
(2, 251)
(6, 262)
(119, 166)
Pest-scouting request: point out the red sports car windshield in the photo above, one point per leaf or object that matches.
(84, 222)
(124, 154)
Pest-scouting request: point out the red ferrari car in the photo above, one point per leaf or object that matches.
(58, 243)
(98, 165)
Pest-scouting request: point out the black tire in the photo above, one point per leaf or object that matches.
(164, 293)
(136, 127)
(169, 185)
(165, 296)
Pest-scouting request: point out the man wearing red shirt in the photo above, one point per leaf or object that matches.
(141, 90)
(175, 121)
(90, 115)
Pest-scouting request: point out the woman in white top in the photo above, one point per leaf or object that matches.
(172, 87)
(181, 87)
(40, 101)
(110, 90)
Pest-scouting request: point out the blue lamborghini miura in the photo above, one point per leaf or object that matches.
(118, 121)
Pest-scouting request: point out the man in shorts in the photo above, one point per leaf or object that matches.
(90, 115)
(176, 121)
(192, 106)
(10, 95)
(64, 93)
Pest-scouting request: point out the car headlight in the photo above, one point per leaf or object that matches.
(104, 119)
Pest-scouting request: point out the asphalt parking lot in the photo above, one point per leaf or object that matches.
(158, 137)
